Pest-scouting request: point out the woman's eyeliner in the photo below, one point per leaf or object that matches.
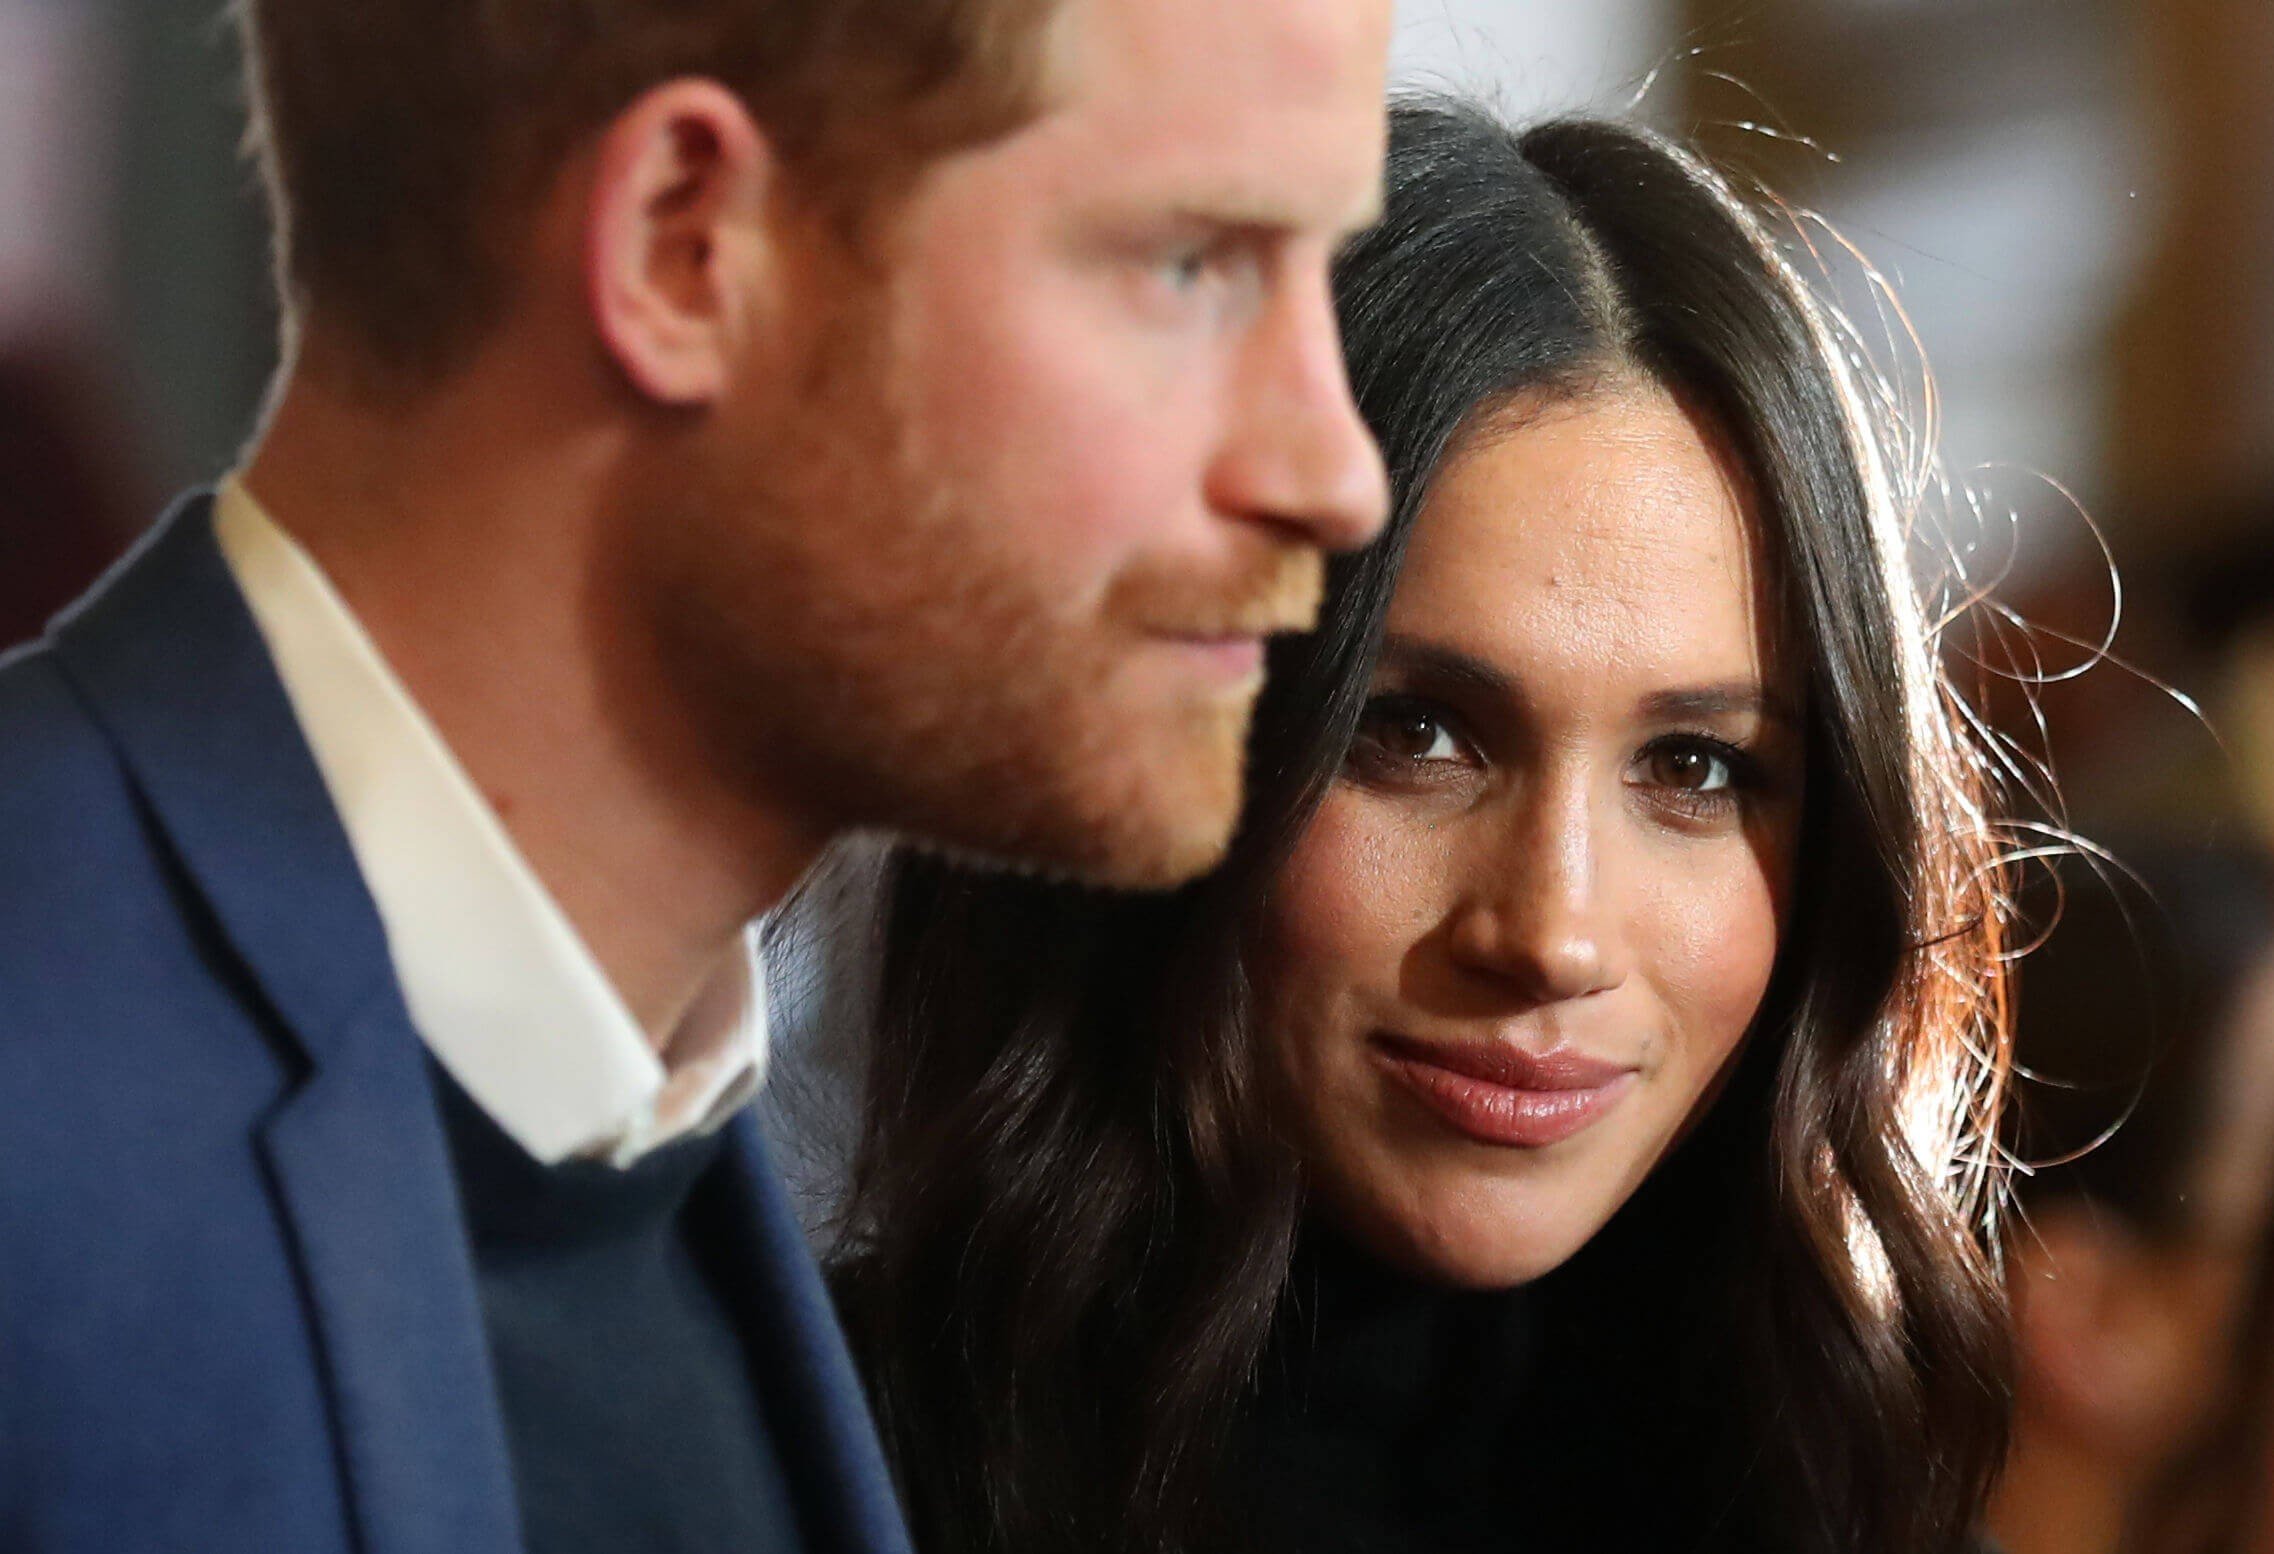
(1401, 732)
(1741, 772)
(1401, 735)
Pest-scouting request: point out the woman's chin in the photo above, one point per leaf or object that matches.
(1475, 1268)
(1468, 1251)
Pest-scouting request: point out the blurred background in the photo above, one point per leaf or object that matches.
(2066, 205)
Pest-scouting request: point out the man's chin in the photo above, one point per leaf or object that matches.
(1148, 831)
(1163, 866)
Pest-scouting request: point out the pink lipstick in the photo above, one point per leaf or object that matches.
(1501, 1095)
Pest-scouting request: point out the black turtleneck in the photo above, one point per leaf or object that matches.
(1554, 1419)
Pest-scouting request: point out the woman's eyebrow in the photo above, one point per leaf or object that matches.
(1733, 698)
(1452, 668)
(1447, 666)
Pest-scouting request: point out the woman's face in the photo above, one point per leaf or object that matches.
(1507, 963)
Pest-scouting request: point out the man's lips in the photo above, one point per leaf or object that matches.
(1244, 625)
(1235, 656)
(1499, 1094)
(1233, 649)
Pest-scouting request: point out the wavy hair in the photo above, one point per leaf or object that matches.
(1072, 1220)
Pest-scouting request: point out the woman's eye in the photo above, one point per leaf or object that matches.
(1699, 777)
(1404, 730)
(1690, 769)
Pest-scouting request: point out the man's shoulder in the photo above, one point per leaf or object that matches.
(128, 1039)
(63, 789)
(35, 695)
(92, 913)
(70, 805)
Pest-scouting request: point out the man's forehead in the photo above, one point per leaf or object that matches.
(1269, 111)
(1292, 47)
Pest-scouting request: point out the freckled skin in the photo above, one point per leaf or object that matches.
(1544, 866)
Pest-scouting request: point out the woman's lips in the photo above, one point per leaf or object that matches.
(1500, 1095)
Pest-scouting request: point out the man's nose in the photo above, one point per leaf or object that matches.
(1299, 456)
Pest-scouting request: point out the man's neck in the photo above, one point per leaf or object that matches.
(467, 537)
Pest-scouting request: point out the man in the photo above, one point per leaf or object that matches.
(708, 428)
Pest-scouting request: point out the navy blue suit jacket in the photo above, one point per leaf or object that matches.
(237, 1310)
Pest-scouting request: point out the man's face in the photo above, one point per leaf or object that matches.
(996, 571)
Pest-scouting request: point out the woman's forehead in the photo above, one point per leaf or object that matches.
(1612, 532)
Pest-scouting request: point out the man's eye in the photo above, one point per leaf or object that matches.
(1225, 276)
(1185, 269)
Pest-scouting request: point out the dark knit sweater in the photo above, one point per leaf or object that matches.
(629, 1407)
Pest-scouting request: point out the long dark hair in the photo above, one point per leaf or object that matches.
(1072, 1220)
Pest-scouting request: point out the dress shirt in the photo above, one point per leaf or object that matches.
(501, 987)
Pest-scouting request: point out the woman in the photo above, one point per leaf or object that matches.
(1557, 1126)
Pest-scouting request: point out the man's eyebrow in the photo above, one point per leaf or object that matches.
(1728, 699)
(1257, 214)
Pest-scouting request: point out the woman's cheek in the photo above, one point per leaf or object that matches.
(1718, 947)
(1345, 906)
(1342, 915)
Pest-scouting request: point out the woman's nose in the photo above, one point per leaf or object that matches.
(1535, 914)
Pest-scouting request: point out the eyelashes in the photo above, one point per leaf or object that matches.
(1410, 741)
(1698, 775)
(1700, 763)
(1412, 730)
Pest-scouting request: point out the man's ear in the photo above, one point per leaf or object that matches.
(679, 268)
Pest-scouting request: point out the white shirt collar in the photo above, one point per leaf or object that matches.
(502, 989)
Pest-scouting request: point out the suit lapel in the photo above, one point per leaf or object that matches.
(365, 1179)
(169, 661)
(815, 1410)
